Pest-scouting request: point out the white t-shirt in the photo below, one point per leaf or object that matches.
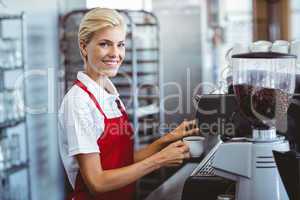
(81, 123)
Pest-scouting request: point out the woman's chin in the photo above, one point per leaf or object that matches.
(108, 73)
(111, 73)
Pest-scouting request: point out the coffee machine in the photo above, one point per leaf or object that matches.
(263, 83)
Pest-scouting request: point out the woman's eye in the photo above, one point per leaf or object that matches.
(121, 45)
(103, 44)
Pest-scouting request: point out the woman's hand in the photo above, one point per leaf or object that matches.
(186, 128)
(173, 154)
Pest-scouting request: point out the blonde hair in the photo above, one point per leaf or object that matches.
(97, 19)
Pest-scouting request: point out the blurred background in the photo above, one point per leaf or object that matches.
(175, 49)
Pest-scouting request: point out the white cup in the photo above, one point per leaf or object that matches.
(281, 42)
(295, 48)
(261, 46)
(195, 144)
(280, 46)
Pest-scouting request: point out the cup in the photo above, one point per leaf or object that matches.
(280, 46)
(295, 48)
(261, 46)
(195, 144)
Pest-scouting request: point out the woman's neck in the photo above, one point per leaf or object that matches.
(99, 79)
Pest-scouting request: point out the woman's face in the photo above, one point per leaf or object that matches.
(106, 51)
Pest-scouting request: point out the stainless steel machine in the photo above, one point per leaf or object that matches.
(263, 85)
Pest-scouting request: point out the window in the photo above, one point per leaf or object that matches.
(295, 15)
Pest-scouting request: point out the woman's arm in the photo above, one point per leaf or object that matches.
(99, 180)
(186, 128)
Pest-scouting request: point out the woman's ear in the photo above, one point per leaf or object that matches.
(83, 49)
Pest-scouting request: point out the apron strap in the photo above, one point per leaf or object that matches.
(82, 86)
(120, 107)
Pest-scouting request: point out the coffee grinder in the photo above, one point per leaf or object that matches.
(263, 86)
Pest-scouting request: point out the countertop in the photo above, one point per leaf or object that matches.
(172, 188)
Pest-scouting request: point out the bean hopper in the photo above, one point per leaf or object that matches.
(263, 85)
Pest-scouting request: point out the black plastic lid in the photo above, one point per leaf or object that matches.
(264, 55)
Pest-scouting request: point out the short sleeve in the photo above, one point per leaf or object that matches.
(78, 125)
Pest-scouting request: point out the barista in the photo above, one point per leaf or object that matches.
(96, 138)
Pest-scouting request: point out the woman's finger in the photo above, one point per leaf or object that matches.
(178, 143)
(195, 131)
(185, 148)
(190, 124)
(187, 155)
(173, 165)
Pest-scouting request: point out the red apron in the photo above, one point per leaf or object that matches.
(116, 151)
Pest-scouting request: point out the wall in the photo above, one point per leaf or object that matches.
(181, 40)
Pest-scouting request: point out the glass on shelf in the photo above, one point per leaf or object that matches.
(10, 53)
(12, 105)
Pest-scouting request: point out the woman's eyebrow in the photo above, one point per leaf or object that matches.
(109, 41)
(105, 40)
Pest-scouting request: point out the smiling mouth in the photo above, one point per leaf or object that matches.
(111, 62)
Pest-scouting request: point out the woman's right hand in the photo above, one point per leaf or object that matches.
(173, 154)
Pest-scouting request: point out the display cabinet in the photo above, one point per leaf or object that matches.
(14, 146)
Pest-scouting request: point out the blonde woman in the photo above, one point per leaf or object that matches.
(96, 143)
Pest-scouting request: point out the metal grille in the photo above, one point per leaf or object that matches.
(205, 167)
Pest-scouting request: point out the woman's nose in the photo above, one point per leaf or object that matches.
(113, 52)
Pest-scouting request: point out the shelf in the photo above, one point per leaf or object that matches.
(11, 69)
(10, 16)
(16, 168)
(11, 123)
(17, 21)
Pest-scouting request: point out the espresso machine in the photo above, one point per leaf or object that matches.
(263, 85)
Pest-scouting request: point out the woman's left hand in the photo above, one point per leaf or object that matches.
(186, 128)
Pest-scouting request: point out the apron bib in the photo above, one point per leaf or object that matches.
(116, 146)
